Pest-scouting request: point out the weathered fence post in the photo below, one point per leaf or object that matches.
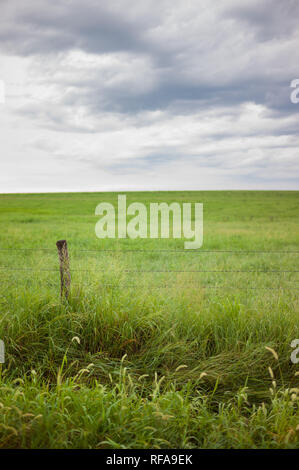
(65, 275)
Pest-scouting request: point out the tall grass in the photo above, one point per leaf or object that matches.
(143, 360)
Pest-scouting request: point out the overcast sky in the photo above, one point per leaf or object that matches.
(147, 94)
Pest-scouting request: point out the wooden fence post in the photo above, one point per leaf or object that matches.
(65, 275)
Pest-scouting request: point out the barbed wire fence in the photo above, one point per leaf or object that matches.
(65, 270)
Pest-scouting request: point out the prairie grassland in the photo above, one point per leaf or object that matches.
(141, 357)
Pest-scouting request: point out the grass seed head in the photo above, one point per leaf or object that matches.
(274, 353)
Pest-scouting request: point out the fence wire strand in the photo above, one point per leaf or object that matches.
(174, 285)
(132, 271)
(157, 251)
(188, 285)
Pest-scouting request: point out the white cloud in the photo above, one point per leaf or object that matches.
(184, 96)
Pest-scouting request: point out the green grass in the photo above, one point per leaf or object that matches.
(149, 359)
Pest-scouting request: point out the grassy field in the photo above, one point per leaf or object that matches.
(139, 358)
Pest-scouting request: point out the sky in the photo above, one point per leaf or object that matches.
(148, 95)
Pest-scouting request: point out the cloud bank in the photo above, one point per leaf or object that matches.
(148, 95)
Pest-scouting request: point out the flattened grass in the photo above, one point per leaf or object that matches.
(141, 359)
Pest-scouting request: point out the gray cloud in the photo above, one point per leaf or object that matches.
(129, 86)
(226, 54)
(44, 26)
(268, 19)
